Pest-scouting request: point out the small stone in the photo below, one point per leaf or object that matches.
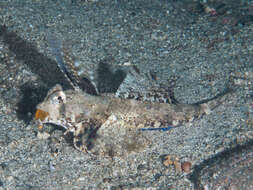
(175, 122)
(172, 160)
(43, 135)
(127, 63)
(167, 160)
(210, 10)
(178, 165)
(141, 126)
(10, 178)
(157, 124)
(81, 178)
(186, 167)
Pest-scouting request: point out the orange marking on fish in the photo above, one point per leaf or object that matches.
(40, 114)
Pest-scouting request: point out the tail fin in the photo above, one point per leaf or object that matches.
(210, 104)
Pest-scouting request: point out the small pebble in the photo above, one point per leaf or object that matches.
(178, 165)
(167, 161)
(186, 167)
(43, 135)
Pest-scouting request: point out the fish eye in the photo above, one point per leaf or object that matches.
(60, 99)
(57, 100)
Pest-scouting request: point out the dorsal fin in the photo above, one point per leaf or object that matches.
(135, 85)
(65, 61)
(145, 87)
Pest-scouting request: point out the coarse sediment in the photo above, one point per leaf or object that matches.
(182, 39)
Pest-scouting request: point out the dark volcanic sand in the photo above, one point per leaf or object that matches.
(204, 49)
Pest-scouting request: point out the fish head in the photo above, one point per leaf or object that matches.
(50, 110)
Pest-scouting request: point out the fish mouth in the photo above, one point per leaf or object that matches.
(40, 116)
